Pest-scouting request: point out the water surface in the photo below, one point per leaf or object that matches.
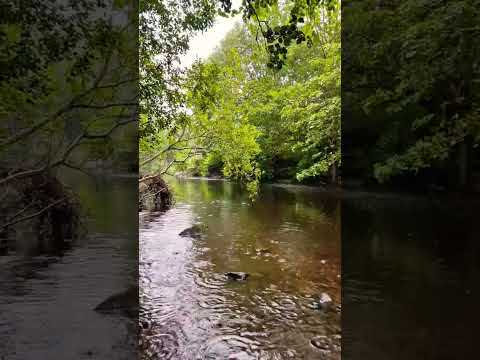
(410, 269)
(48, 291)
(289, 243)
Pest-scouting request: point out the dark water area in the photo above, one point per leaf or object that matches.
(48, 292)
(410, 278)
(289, 243)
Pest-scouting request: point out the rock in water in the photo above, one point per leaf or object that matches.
(195, 231)
(325, 301)
(263, 251)
(237, 276)
(125, 302)
(321, 342)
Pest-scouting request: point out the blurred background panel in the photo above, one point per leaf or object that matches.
(410, 165)
(69, 169)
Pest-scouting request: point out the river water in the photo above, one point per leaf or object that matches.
(289, 243)
(48, 292)
(410, 270)
(409, 284)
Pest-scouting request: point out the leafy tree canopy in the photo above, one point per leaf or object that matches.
(246, 117)
(412, 82)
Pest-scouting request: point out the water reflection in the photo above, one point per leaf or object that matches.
(410, 279)
(288, 241)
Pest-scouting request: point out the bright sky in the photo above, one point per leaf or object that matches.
(202, 45)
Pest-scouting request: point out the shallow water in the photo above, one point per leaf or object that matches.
(289, 243)
(48, 292)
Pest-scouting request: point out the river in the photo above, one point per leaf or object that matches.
(288, 240)
(410, 270)
(409, 284)
(48, 292)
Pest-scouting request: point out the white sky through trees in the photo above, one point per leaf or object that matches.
(203, 44)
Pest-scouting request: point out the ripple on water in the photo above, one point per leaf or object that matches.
(160, 345)
(198, 314)
(229, 346)
(162, 340)
(211, 281)
(213, 302)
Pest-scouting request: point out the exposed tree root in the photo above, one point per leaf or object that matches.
(154, 194)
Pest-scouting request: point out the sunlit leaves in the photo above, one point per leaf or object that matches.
(269, 93)
(256, 117)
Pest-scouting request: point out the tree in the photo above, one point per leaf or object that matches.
(165, 27)
(248, 117)
(68, 84)
(412, 67)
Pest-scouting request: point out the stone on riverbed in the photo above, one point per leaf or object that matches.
(324, 303)
(195, 231)
(125, 302)
(237, 276)
(321, 343)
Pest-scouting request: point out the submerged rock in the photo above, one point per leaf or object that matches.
(125, 302)
(321, 342)
(264, 251)
(324, 303)
(195, 231)
(237, 276)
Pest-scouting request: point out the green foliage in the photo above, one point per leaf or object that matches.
(256, 117)
(217, 120)
(253, 107)
(165, 27)
(63, 74)
(164, 30)
(412, 65)
(282, 24)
